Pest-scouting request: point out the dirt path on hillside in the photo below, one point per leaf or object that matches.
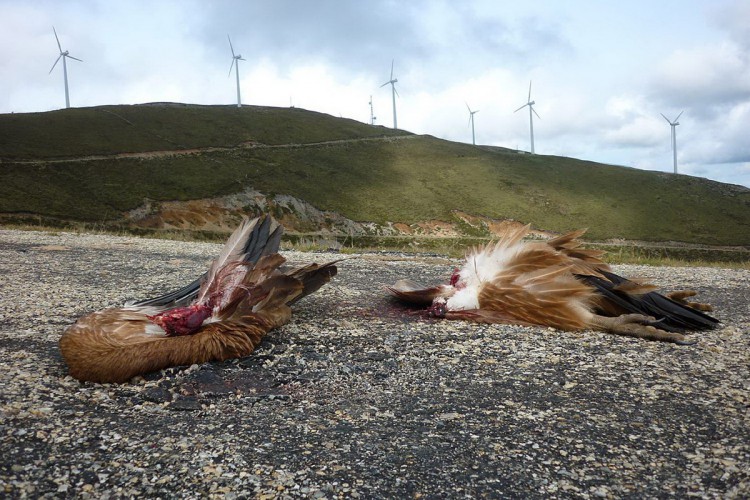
(148, 155)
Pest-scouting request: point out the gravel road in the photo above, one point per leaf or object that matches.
(356, 398)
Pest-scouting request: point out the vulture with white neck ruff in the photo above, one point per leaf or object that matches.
(556, 284)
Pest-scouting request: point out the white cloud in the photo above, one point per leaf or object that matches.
(632, 123)
(724, 139)
(710, 76)
(734, 18)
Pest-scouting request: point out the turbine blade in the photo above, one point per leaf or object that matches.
(230, 45)
(242, 58)
(662, 114)
(71, 57)
(537, 114)
(56, 60)
(392, 69)
(519, 109)
(396, 91)
(58, 40)
(529, 91)
(467, 106)
(678, 116)
(231, 66)
(386, 83)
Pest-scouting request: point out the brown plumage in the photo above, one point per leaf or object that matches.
(222, 315)
(557, 284)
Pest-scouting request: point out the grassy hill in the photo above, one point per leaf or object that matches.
(101, 130)
(362, 172)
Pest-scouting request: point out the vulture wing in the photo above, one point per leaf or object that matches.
(249, 242)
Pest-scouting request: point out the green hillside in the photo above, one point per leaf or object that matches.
(77, 132)
(364, 173)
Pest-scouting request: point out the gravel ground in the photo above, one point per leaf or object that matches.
(358, 398)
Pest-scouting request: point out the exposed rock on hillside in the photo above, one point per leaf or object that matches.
(221, 214)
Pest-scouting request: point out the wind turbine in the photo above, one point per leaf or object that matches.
(530, 104)
(64, 54)
(471, 120)
(236, 58)
(394, 93)
(673, 124)
(372, 113)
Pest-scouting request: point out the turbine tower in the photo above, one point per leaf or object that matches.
(530, 104)
(394, 93)
(673, 124)
(64, 54)
(471, 120)
(236, 58)
(372, 113)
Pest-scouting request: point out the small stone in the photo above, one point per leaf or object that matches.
(185, 404)
(157, 395)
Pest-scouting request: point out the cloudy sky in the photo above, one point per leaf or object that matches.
(602, 72)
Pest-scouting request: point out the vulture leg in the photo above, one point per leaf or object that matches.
(639, 326)
(679, 296)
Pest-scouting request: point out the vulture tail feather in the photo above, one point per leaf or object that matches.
(683, 316)
(673, 316)
(313, 277)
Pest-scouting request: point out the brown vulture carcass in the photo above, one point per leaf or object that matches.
(221, 315)
(556, 284)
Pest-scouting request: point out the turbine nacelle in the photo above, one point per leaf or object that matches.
(674, 122)
(471, 113)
